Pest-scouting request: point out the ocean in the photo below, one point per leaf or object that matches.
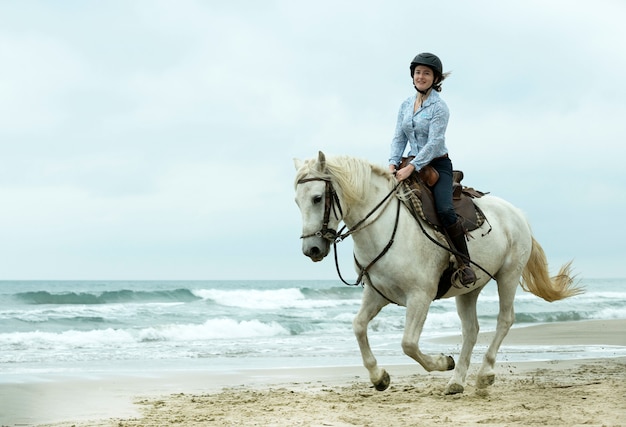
(100, 327)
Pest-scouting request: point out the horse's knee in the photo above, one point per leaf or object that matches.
(470, 332)
(359, 327)
(506, 318)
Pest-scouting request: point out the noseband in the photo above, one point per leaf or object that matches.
(331, 202)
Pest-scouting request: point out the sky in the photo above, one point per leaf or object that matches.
(154, 140)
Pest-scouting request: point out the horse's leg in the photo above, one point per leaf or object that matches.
(371, 305)
(507, 285)
(466, 308)
(416, 311)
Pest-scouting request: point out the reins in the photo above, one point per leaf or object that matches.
(357, 226)
(449, 249)
(363, 271)
(332, 202)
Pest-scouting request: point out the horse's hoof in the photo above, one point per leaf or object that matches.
(454, 389)
(383, 383)
(485, 380)
(450, 363)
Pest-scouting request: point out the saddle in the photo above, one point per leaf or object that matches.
(423, 203)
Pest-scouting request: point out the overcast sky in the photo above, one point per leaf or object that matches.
(154, 139)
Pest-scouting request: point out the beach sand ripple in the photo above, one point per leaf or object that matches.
(565, 393)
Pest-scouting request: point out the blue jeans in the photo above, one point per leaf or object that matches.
(442, 191)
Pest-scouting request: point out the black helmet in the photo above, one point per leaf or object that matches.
(428, 59)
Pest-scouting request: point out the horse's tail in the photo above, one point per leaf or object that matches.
(536, 277)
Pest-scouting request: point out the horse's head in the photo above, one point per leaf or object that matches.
(320, 207)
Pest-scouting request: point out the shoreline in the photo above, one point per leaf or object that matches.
(580, 332)
(133, 400)
(556, 393)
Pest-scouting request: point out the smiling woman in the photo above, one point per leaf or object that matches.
(422, 123)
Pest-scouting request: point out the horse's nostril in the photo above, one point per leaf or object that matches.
(315, 250)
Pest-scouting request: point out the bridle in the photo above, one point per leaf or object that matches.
(331, 202)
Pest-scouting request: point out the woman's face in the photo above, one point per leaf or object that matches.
(423, 77)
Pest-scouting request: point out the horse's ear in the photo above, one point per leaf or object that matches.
(298, 163)
(321, 161)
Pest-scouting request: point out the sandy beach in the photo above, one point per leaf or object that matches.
(554, 393)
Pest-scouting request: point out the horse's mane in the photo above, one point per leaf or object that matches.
(351, 175)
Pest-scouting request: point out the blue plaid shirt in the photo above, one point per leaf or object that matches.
(424, 131)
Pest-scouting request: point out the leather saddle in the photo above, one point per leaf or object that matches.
(423, 202)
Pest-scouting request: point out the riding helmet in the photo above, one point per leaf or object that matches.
(428, 59)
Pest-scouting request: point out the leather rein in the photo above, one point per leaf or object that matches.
(332, 203)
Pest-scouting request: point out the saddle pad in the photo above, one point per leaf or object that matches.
(422, 202)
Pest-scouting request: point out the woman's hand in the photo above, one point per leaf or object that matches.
(405, 172)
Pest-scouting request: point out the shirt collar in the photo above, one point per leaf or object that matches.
(432, 98)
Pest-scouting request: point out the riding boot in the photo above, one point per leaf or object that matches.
(456, 237)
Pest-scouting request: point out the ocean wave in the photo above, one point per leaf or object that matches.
(343, 293)
(67, 313)
(38, 340)
(107, 338)
(610, 313)
(222, 328)
(274, 299)
(107, 297)
(547, 317)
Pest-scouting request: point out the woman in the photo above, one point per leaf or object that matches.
(422, 122)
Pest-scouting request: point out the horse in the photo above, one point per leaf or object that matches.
(398, 262)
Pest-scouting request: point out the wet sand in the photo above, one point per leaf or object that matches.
(555, 393)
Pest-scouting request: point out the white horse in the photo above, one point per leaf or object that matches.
(405, 269)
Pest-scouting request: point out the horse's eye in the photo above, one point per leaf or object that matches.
(317, 199)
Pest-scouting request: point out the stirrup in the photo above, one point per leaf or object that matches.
(457, 278)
